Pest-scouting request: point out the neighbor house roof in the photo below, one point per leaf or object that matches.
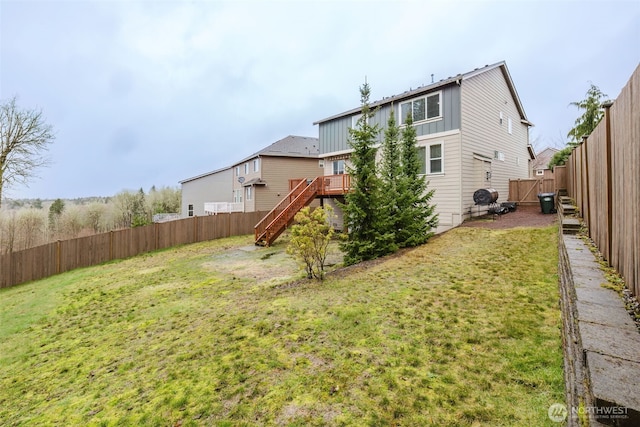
(444, 82)
(543, 158)
(193, 178)
(291, 146)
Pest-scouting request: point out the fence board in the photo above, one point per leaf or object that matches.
(588, 185)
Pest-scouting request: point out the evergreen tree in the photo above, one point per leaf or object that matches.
(390, 173)
(369, 235)
(416, 217)
(584, 125)
(55, 210)
(140, 216)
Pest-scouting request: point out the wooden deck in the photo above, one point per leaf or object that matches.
(302, 191)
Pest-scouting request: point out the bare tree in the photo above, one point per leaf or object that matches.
(24, 137)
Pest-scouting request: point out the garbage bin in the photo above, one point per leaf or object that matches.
(547, 204)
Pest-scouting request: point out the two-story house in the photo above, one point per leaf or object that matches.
(255, 183)
(472, 133)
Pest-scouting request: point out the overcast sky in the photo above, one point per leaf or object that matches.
(144, 93)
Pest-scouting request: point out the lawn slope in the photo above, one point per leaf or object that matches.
(461, 331)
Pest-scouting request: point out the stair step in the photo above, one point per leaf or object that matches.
(571, 226)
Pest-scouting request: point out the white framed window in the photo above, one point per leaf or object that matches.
(338, 167)
(425, 108)
(498, 155)
(539, 172)
(237, 196)
(422, 156)
(246, 168)
(354, 120)
(190, 210)
(435, 163)
(509, 126)
(237, 170)
(249, 193)
(256, 165)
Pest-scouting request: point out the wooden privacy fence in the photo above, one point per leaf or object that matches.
(525, 191)
(603, 177)
(64, 255)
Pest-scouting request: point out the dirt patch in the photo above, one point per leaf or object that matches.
(524, 216)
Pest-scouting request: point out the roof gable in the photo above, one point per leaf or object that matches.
(291, 146)
(458, 79)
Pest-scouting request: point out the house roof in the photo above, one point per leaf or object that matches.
(444, 82)
(543, 158)
(291, 146)
(193, 178)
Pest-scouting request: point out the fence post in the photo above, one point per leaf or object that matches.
(607, 121)
(585, 174)
(58, 260)
(195, 229)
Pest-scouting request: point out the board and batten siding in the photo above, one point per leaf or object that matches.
(215, 187)
(484, 97)
(277, 171)
(334, 134)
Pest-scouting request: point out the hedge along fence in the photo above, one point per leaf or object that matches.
(64, 255)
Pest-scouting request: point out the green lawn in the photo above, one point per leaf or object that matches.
(462, 331)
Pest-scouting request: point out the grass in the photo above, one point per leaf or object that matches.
(461, 331)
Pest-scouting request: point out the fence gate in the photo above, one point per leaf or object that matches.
(525, 191)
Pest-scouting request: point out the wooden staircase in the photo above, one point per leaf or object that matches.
(276, 221)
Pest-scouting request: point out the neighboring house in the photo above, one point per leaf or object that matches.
(539, 167)
(208, 187)
(256, 183)
(261, 180)
(472, 134)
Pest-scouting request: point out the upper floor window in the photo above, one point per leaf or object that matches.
(190, 210)
(246, 168)
(498, 155)
(338, 167)
(237, 170)
(425, 108)
(256, 165)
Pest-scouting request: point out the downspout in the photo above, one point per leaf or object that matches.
(460, 209)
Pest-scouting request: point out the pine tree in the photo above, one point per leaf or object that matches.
(390, 173)
(416, 217)
(369, 235)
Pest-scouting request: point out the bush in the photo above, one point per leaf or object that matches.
(310, 239)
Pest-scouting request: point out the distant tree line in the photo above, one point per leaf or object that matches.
(32, 223)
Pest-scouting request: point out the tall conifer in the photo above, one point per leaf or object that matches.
(416, 217)
(369, 234)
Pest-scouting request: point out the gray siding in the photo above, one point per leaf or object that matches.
(334, 134)
(210, 188)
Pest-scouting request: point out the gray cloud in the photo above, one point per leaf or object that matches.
(145, 93)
